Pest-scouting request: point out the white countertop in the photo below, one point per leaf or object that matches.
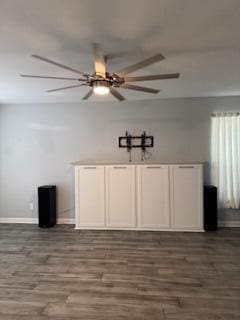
(109, 163)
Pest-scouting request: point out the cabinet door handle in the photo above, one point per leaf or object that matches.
(90, 167)
(185, 167)
(154, 167)
(120, 167)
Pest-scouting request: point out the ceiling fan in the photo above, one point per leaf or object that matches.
(102, 82)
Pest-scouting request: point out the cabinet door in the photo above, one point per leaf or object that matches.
(121, 211)
(153, 196)
(186, 197)
(90, 196)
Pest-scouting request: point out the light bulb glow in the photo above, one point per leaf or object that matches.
(102, 90)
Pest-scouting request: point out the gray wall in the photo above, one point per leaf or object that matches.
(38, 142)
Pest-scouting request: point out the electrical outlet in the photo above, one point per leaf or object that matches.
(31, 206)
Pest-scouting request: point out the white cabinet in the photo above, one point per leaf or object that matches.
(153, 196)
(120, 196)
(186, 197)
(90, 196)
(144, 196)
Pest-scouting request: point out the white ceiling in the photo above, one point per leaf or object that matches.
(200, 39)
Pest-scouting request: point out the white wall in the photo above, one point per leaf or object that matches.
(38, 142)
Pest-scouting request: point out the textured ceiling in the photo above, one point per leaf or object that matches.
(200, 39)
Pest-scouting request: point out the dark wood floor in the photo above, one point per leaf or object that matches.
(61, 273)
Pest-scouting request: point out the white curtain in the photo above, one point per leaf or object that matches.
(225, 158)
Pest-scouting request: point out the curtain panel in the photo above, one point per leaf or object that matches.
(225, 158)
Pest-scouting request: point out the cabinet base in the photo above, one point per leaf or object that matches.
(139, 229)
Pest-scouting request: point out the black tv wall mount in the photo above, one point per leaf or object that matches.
(142, 142)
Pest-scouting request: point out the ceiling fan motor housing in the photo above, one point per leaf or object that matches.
(108, 81)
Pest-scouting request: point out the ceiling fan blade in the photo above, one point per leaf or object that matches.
(64, 88)
(59, 64)
(132, 87)
(116, 94)
(50, 77)
(140, 65)
(90, 92)
(153, 77)
(99, 60)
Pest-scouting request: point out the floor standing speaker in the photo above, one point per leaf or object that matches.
(210, 208)
(46, 206)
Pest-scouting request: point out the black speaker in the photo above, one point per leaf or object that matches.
(210, 208)
(46, 206)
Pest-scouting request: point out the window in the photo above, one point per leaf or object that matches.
(225, 158)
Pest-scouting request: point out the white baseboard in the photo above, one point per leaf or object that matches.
(229, 224)
(66, 221)
(19, 220)
(34, 220)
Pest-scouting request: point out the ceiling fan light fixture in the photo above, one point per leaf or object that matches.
(101, 88)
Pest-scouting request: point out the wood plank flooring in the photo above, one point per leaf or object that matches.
(62, 273)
